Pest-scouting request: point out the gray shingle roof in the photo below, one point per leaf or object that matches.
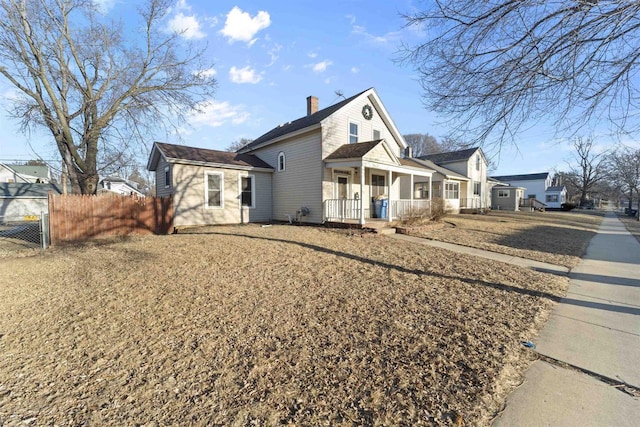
(298, 124)
(451, 156)
(350, 151)
(441, 170)
(556, 188)
(37, 171)
(525, 177)
(204, 155)
(12, 190)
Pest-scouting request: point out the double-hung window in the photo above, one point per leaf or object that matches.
(353, 132)
(451, 190)
(421, 190)
(503, 194)
(476, 188)
(247, 191)
(214, 184)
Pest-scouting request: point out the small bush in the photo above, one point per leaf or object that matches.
(567, 206)
(437, 209)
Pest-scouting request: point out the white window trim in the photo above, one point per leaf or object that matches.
(167, 172)
(479, 184)
(506, 194)
(445, 191)
(206, 190)
(253, 191)
(284, 161)
(357, 123)
(336, 185)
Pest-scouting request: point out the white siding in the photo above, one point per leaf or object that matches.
(189, 201)
(336, 127)
(300, 184)
(17, 208)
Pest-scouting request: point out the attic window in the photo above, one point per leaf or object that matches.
(477, 162)
(353, 133)
(376, 134)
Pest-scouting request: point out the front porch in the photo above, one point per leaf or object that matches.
(352, 210)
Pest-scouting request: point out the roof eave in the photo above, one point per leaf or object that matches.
(281, 138)
(217, 165)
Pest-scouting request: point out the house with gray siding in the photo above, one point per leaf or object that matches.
(346, 162)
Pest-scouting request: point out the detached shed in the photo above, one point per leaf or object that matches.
(18, 200)
(506, 197)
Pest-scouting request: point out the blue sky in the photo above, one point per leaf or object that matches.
(269, 56)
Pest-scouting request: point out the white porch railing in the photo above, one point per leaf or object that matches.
(342, 209)
(406, 208)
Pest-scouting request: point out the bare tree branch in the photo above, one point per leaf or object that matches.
(498, 66)
(90, 86)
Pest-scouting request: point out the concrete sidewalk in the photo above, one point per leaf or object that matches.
(509, 259)
(596, 328)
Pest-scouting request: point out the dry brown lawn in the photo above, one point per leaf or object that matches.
(250, 325)
(559, 238)
(632, 225)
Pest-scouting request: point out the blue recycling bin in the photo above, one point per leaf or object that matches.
(380, 207)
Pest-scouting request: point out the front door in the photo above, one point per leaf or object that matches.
(342, 186)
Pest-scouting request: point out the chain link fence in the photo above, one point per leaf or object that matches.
(28, 231)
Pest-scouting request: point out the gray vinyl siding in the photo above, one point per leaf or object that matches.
(161, 189)
(300, 184)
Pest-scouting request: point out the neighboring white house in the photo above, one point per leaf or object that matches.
(460, 178)
(346, 162)
(118, 185)
(18, 200)
(11, 173)
(537, 186)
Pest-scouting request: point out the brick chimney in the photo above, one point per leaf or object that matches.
(312, 105)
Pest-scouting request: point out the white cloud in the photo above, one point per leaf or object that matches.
(390, 37)
(187, 26)
(208, 73)
(104, 6)
(273, 53)
(244, 75)
(240, 26)
(312, 55)
(213, 114)
(355, 70)
(321, 66)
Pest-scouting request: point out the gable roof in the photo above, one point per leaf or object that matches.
(27, 190)
(299, 124)
(440, 169)
(182, 153)
(38, 171)
(525, 177)
(450, 156)
(350, 151)
(556, 188)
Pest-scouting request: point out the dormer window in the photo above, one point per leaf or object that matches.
(281, 162)
(477, 162)
(353, 132)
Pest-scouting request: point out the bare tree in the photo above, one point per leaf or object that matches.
(423, 144)
(624, 167)
(497, 66)
(238, 144)
(590, 169)
(95, 89)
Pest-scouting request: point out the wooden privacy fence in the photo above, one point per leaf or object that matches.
(79, 217)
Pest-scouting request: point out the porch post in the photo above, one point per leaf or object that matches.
(390, 173)
(362, 198)
(430, 193)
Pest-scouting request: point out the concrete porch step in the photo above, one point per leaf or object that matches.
(386, 230)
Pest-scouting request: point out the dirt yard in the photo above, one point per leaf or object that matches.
(559, 238)
(251, 326)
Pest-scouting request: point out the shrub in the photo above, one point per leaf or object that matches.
(567, 206)
(437, 209)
